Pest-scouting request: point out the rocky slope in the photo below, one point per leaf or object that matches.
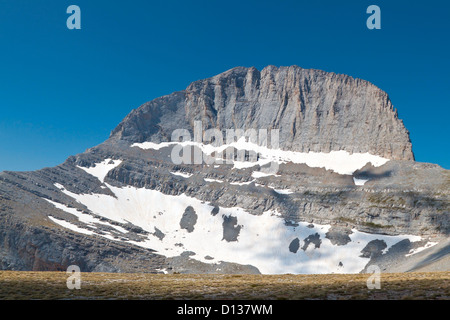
(125, 206)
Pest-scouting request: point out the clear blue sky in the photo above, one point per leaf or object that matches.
(62, 91)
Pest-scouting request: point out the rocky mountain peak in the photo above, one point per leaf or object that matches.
(314, 110)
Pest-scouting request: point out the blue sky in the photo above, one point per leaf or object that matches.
(63, 91)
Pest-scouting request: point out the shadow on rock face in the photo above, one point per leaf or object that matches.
(373, 249)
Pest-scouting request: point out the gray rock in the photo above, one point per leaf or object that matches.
(231, 228)
(314, 110)
(312, 238)
(294, 245)
(189, 219)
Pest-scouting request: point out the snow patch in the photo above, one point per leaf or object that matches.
(100, 170)
(182, 174)
(71, 226)
(359, 182)
(259, 174)
(85, 218)
(283, 191)
(213, 180)
(162, 270)
(429, 244)
(59, 186)
(152, 145)
(241, 183)
(341, 162)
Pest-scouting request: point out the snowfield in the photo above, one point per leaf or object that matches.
(266, 241)
(341, 162)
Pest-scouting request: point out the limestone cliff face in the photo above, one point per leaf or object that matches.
(314, 111)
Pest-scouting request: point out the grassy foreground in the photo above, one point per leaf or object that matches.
(53, 285)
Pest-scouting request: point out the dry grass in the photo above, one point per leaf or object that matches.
(52, 285)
